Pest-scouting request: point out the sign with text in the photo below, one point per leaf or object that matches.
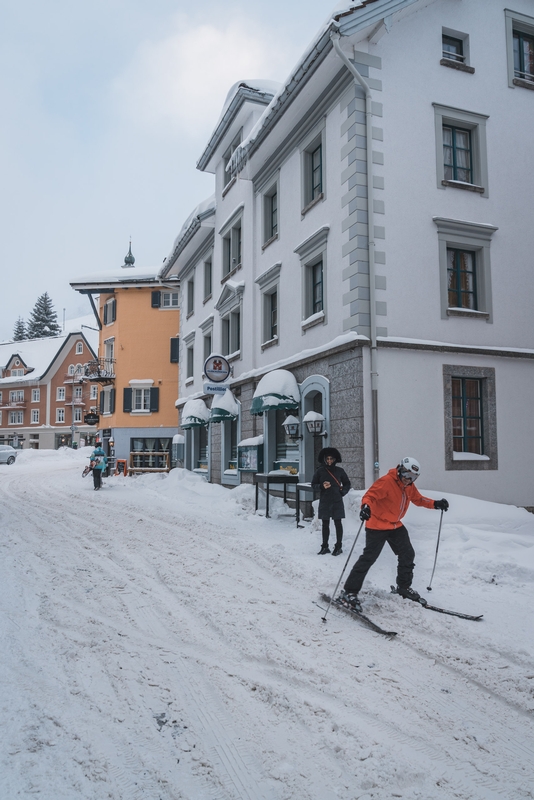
(215, 388)
(216, 369)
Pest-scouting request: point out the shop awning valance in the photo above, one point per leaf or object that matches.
(276, 390)
(195, 414)
(224, 407)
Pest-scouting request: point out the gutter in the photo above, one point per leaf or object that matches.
(359, 80)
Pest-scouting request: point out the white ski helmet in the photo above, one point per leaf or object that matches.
(409, 468)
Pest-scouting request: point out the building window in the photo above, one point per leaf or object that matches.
(77, 415)
(72, 369)
(457, 162)
(169, 300)
(93, 392)
(190, 362)
(231, 333)
(16, 417)
(312, 254)
(453, 48)
(461, 273)
(520, 49)
(110, 311)
(150, 453)
(190, 296)
(79, 348)
(470, 418)
(16, 396)
(461, 151)
(232, 249)
(207, 279)
(141, 399)
(36, 395)
(270, 315)
(60, 393)
(227, 177)
(465, 269)
(17, 373)
(107, 401)
(207, 346)
(270, 214)
(315, 277)
(78, 392)
(60, 415)
(313, 171)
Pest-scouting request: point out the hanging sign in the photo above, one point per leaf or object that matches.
(91, 419)
(215, 388)
(217, 369)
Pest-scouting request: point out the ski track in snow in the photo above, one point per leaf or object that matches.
(155, 649)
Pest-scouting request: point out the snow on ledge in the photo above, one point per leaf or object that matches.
(468, 457)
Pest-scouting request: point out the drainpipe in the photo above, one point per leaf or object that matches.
(335, 37)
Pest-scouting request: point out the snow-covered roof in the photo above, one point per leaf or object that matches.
(37, 355)
(110, 279)
(193, 222)
(256, 91)
(194, 413)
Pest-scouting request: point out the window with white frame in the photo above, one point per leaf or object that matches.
(268, 283)
(72, 369)
(141, 399)
(78, 392)
(107, 400)
(110, 311)
(312, 253)
(270, 214)
(455, 50)
(17, 373)
(16, 417)
(16, 396)
(35, 416)
(231, 333)
(77, 415)
(520, 49)
(470, 418)
(190, 296)
(60, 415)
(465, 269)
(313, 170)
(169, 300)
(36, 395)
(228, 155)
(93, 392)
(79, 348)
(232, 248)
(461, 151)
(207, 279)
(60, 393)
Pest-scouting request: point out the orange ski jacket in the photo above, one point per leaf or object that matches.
(389, 500)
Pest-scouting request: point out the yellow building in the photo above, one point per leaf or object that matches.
(137, 365)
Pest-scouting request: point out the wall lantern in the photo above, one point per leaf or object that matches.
(315, 423)
(291, 427)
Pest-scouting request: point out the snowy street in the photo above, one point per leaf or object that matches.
(160, 642)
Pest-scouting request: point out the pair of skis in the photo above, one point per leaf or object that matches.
(370, 624)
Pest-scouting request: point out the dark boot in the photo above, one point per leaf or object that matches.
(337, 549)
(324, 549)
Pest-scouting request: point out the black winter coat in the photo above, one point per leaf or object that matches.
(331, 504)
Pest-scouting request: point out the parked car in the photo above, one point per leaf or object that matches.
(8, 454)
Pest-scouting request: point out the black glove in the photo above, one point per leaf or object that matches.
(365, 513)
(441, 505)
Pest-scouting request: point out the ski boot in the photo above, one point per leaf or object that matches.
(349, 601)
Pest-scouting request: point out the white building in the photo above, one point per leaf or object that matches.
(369, 234)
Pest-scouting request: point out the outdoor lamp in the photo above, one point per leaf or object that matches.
(315, 423)
(291, 427)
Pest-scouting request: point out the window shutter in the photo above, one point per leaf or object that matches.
(101, 402)
(154, 399)
(113, 310)
(127, 400)
(156, 299)
(175, 350)
(112, 401)
(105, 314)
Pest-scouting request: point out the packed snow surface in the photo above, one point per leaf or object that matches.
(160, 641)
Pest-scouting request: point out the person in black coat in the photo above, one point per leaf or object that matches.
(333, 484)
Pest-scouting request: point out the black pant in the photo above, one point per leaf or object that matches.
(400, 543)
(326, 531)
(97, 478)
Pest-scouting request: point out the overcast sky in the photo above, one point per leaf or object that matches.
(105, 108)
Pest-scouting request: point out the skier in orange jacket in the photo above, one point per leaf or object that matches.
(386, 503)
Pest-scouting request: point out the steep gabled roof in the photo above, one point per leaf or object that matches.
(38, 355)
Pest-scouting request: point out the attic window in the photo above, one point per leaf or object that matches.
(228, 155)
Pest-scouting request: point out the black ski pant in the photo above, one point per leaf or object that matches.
(400, 543)
(97, 478)
(326, 531)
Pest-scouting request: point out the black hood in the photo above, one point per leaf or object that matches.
(329, 451)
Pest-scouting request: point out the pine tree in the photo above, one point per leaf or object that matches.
(43, 319)
(19, 331)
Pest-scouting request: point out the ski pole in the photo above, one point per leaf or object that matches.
(429, 587)
(343, 572)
